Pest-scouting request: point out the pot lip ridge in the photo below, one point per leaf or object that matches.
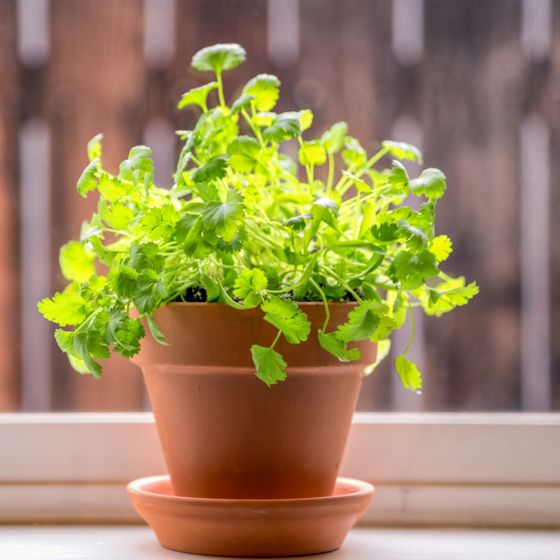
(359, 489)
(223, 304)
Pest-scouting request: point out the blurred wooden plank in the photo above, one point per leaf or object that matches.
(550, 100)
(343, 70)
(472, 95)
(9, 292)
(96, 83)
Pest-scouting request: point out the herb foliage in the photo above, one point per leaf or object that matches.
(246, 225)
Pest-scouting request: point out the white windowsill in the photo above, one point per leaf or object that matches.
(138, 543)
(476, 470)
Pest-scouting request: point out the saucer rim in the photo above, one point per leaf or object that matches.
(361, 489)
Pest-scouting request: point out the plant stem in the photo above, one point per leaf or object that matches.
(325, 303)
(253, 127)
(342, 282)
(368, 165)
(411, 319)
(220, 89)
(276, 339)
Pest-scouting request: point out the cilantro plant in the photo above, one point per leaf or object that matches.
(246, 225)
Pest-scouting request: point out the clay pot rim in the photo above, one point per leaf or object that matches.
(358, 489)
(223, 304)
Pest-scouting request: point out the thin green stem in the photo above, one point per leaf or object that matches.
(344, 180)
(325, 303)
(276, 339)
(411, 319)
(342, 282)
(253, 126)
(220, 90)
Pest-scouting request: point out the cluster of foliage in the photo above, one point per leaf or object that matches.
(247, 225)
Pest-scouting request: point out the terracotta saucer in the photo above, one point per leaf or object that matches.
(224, 527)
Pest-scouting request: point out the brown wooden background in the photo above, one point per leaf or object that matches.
(469, 91)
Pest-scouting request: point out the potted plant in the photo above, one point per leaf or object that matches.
(267, 284)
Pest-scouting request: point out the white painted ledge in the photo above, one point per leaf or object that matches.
(138, 543)
(483, 470)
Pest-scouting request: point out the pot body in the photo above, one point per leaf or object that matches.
(224, 433)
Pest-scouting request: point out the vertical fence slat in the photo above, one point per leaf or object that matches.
(471, 113)
(96, 84)
(551, 111)
(534, 140)
(9, 323)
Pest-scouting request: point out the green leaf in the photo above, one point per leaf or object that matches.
(337, 347)
(441, 246)
(324, 210)
(297, 223)
(88, 179)
(386, 232)
(193, 237)
(217, 58)
(90, 345)
(223, 216)
(124, 333)
(123, 280)
(264, 119)
(269, 364)
(411, 378)
(449, 295)
(360, 184)
(244, 154)
(139, 167)
(197, 96)
(116, 215)
(112, 188)
(362, 322)
(383, 349)
(214, 169)
(333, 139)
(411, 270)
(242, 102)
(312, 153)
(430, 183)
(305, 119)
(250, 286)
(265, 89)
(353, 154)
(417, 240)
(94, 149)
(150, 292)
(403, 150)
(65, 340)
(76, 262)
(64, 308)
(387, 324)
(284, 127)
(288, 318)
(155, 330)
(300, 289)
(398, 181)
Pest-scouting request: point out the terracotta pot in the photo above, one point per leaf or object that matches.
(224, 433)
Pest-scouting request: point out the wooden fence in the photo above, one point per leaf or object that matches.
(476, 84)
